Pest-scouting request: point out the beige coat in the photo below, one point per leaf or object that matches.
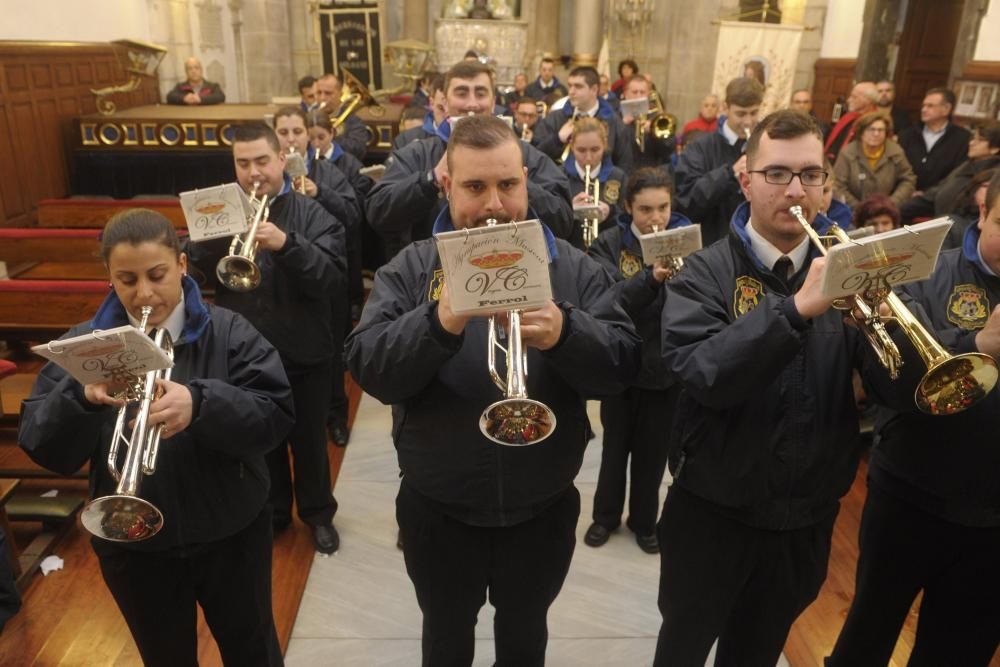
(855, 180)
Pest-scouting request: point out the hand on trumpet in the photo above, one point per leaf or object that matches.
(566, 131)
(809, 300)
(584, 198)
(270, 237)
(450, 322)
(306, 186)
(102, 393)
(542, 328)
(173, 408)
(661, 271)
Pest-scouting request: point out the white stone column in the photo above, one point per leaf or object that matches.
(588, 31)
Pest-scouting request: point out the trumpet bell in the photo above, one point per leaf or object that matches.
(238, 273)
(516, 422)
(957, 383)
(121, 518)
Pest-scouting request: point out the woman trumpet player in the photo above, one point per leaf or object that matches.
(227, 403)
(636, 421)
(589, 150)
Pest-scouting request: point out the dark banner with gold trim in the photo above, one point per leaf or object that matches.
(351, 38)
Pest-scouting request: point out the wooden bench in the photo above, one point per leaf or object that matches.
(46, 309)
(20, 245)
(94, 213)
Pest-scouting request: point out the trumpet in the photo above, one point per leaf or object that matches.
(952, 383)
(237, 270)
(515, 420)
(672, 263)
(124, 517)
(590, 214)
(569, 144)
(295, 167)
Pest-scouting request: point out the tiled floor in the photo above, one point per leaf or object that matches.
(359, 609)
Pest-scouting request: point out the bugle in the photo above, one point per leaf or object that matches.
(515, 420)
(237, 270)
(590, 214)
(569, 143)
(952, 383)
(124, 517)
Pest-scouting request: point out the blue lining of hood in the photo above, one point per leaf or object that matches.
(428, 125)
(443, 223)
(820, 223)
(112, 313)
(970, 248)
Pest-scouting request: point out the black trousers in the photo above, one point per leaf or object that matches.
(903, 550)
(316, 505)
(721, 579)
(337, 413)
(231, 580)
(636, 422)
(454, 566)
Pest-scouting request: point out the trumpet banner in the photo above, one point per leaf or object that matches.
(766, 51)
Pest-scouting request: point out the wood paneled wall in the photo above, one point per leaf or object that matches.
(43, 87)
(834, 78)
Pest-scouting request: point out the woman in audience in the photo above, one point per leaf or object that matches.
(873, 164)
(226, 404)
(878, 212)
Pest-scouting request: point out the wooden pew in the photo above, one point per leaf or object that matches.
(21, 245)
(45, 309)
(93, 213)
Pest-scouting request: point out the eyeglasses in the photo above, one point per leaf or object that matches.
(875, 130)
(782, 176)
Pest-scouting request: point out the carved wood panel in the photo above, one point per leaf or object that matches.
(834, 78)
(43, 87)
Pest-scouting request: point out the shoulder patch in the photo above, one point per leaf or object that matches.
(628, 264)
(746, 295)
(437, 282)
(612, 190)
(968, 307)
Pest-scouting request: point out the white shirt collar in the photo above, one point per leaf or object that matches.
(769, 255)
(730, 134)
(931, 137)
(592, 112)
(174, 322)
(328, 155)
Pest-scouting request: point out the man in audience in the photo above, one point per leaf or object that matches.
(802, 100)
(886, 97)
(708, 116)
(351, 134)
(862, 100)
(546, 83)
(195, 90)
(936, 146)
(709, 169)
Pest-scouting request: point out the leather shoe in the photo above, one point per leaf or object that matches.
(648, 543)
(326, 539)
(339, 434)
(596, 535)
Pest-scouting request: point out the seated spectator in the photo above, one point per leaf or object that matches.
(878, 212)
(626, 70)
(606, 94)
(546, 84)
(708, 117)
(971, 208)
(802, 100)
(942, 199)
(195, 90)
(862, 100)
(936, 146)
(886, 96)
(871, 164)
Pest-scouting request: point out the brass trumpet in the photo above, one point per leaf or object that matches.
(515, 420)
(569, 144)
(952, 383)
(237, 270)
(124, 517)
(295, 167)
(589, 214)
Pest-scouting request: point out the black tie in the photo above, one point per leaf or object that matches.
(320, 157)
(783, 269)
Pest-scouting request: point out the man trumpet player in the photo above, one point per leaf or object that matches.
(475, 519)
(654, 152)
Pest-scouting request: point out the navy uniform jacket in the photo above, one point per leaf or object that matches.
(291, 307)
(619, 136)
(439, 384)
(403, 205)
(946, 465)
(353, 136)
(415, 133)
(768, 427)
(618, 251)
(707, 190)
(932, 166)
(612, 188)
(334, 192)
(536, 91)
(211, 480)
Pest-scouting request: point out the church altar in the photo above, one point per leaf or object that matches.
(503, 41)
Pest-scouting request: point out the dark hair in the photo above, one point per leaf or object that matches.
(290, 111)
(744, 92)
(691, 135)
(993, 192)
(647, 178)
(437, 83)
(947, 94)
(758, 70)
(547, 60)
(135, 226)
(412, 113)
(306, 81)
(471, 54)
(466, 69)
(319, 118)
(631, 63)
(481, 132)
(873, 206)
(870, 118)
(246, 132)
(784, 124)
(587, 73)
(990, 131)
(639, 77)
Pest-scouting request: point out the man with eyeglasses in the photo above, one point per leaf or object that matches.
(768, 441)
(936, 146)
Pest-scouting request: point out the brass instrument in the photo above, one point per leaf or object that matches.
(354, 95)
(672, 263)
(589, 214)
(515, 420)
(665, 124)
(124, 517)
(237, 270)
(569, 144)
(952, 383)
(295, 167)
(542, 107)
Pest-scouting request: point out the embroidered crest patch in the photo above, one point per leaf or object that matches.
(629, 264)
(747, 295)
(437, 282)
(968, 307)
(612, 190)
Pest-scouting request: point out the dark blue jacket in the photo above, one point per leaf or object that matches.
(547, 133)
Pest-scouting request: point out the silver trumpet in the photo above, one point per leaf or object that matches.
(124, 516)
(672, 263)
(237, 270)
(590, 214)
(515, 420)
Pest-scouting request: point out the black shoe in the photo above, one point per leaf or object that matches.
(399, 540)
(648, 543)
(596, 535)
(326, 539)
(339, 434)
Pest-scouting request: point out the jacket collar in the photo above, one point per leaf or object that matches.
(741, 217)
(112, 313)
(970, 249)
(629, 239)
(602, 175)
(443, 223)
(604, 110)
(428, 125)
